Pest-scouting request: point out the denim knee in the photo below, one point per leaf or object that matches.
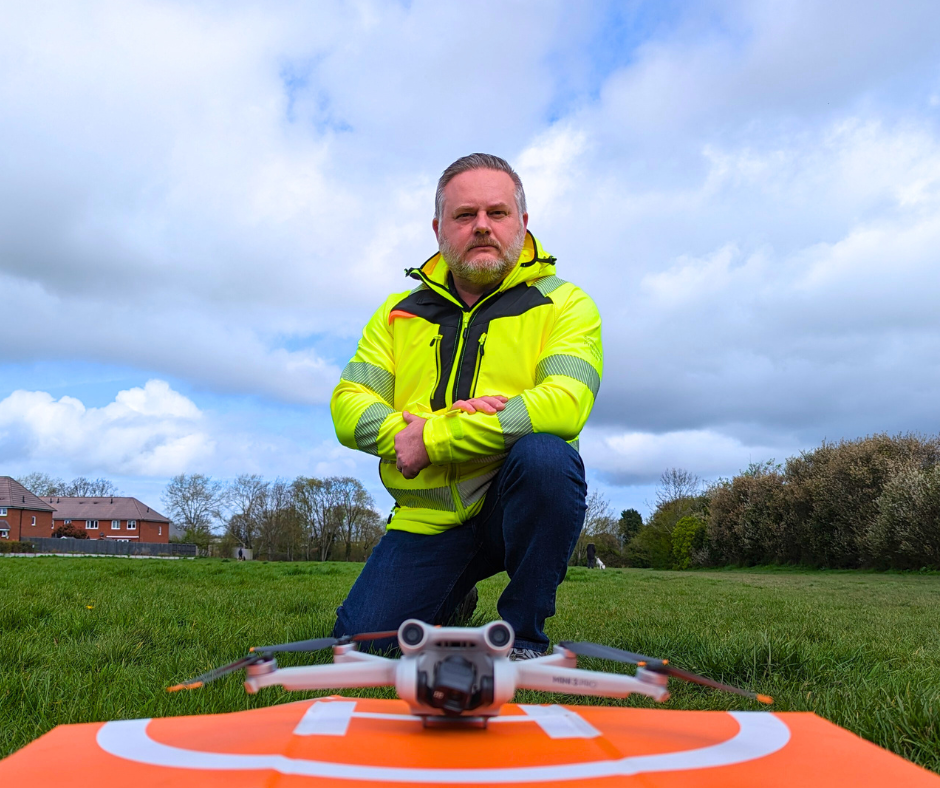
(546, 457)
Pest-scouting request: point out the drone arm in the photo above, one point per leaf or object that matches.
(377, 672)
(530, 674)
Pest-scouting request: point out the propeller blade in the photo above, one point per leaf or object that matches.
(586, 649)
(393, 633)
(314, 644)
(655, 665)
(217, 673)
(685, 675)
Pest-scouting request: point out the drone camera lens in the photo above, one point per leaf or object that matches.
(499, 635)
(412, 634)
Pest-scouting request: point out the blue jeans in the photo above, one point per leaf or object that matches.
(528, 526)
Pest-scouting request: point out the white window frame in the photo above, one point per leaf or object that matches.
(91, 525)
(3, 511)
(115, 525)
(4, 533)
(66, 522)
(159, 530)
(34, 519)
(131, 525)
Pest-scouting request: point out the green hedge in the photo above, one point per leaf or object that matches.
(15, 547)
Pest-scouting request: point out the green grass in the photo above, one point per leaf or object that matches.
(95, 639)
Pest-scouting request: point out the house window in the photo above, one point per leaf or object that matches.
(34, 520)
(131, 525)
(4, 533)
(67, 522)
(91, 525)
(3, 511)
(115, 525)
(159, 530)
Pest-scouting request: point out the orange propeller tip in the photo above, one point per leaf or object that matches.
(178, 687)
(765, 699)
(641, 664)
(665, 662)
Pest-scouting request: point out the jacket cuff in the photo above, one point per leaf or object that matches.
(440, 432)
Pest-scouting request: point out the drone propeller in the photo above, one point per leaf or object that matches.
(655, 666)
(217, 673)
(261, 653)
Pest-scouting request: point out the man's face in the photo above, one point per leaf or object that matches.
(480, 232)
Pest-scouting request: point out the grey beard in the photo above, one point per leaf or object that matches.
(487, 272)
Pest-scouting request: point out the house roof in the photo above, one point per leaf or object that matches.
(15, 496)
(108, 508)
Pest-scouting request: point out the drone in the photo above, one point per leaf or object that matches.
(458, 673)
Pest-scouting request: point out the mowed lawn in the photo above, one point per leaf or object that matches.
(88, 639)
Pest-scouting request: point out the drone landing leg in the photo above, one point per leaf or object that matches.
(454, 722)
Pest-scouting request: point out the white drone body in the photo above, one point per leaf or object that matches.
(455, 672)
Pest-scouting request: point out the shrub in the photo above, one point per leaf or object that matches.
(906, 532)
(688, 537)
(70, 530)
(835, 491)
(748, 518)
(16, 547)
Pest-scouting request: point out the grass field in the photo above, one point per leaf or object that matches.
(87, 639)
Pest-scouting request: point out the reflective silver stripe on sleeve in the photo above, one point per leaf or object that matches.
(374, 378)
(575, 444)
(439, 498)
(489, 458)
(548, 284)
(514, 420)
(367, 428)
(472, 490)
(571, 367)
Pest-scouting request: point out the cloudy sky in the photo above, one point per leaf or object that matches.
(201, 203)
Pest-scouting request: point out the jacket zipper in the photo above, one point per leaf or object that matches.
(476, 369)
(437, 362)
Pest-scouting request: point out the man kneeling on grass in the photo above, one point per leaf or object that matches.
(472, 389)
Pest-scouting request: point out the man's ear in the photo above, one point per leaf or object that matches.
(434, 226)
(525, 221)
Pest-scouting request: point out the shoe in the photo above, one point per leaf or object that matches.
(519, 654)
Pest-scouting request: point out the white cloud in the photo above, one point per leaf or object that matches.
(638, 458)
(222, 194)
(149, 431)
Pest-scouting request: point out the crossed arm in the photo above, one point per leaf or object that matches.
(410, 451)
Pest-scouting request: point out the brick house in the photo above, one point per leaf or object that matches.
(113, 517)
(21, 512)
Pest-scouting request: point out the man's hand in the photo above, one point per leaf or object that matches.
(409, 447)
(483, 404)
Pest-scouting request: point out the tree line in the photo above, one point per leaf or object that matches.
(873, 502)
(304, 519)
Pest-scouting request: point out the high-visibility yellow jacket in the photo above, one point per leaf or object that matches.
(535, 339)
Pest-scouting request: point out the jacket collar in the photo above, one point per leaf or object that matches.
(534, 263)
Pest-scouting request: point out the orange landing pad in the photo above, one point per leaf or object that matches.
(357, 742)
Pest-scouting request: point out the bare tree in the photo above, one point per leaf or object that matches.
(676, 484)
(81, 487)
(42, 484)
(318, 503)
(355, 508)
(247, 498)
(194, 502)
(280, 531)
(598, 519)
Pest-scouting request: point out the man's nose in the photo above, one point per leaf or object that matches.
(482, 223)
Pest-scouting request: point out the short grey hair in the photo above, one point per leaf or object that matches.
(478, 161)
